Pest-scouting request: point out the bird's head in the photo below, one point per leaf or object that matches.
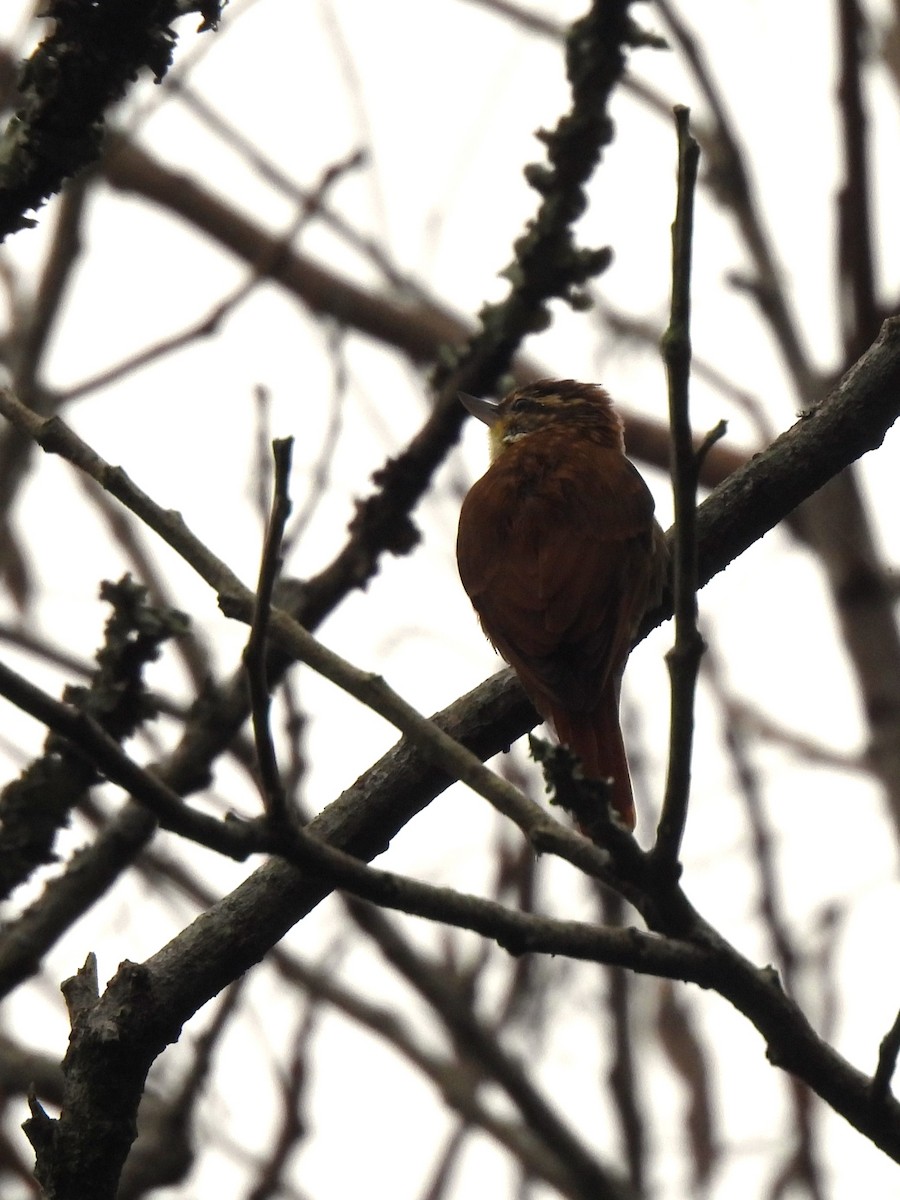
(559, 404)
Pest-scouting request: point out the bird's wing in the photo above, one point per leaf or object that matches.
(559, 573)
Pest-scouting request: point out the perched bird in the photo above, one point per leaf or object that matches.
(561, 556)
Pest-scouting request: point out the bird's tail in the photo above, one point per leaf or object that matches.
(596, 737)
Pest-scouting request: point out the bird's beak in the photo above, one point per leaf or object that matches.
(484, 410)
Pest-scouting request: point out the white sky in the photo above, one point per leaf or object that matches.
(448, 97)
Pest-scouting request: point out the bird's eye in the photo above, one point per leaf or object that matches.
(523, 403)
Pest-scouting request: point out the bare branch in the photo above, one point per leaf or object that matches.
(856, 268)
(83, 66)
(483, 1047)
(684, 657)
(272, 252)
(730, 180)
(255, 652)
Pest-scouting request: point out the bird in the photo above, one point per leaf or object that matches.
(561, 556)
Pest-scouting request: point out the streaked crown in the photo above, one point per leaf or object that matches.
(558, 404)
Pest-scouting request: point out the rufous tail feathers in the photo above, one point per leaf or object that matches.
(596, 738)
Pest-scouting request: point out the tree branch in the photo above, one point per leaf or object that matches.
(858, 307)
(684, 657)
(255, 651)
(83, 66)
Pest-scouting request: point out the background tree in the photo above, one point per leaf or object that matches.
(290, 233)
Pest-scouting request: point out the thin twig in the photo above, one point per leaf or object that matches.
(443, 1171)
(646, 333)
(684, 657)
(628, 1095)
(459, 1088)
(692, 1059)
(49, 302)
(472, 1039)
(167, 1144)
(814, 750)
(858, 305)
(292, 1126)
(730, 181)
(771, 906)
(319, 472)
(255, 652)
(87, 736)
(54, 655)
(267, 264)
(33, 321)
(269, 170)
(802, 1163)
(522, 17)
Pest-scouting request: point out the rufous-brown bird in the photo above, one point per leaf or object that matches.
(561, 556)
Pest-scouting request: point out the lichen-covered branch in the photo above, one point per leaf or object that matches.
(92, 54)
